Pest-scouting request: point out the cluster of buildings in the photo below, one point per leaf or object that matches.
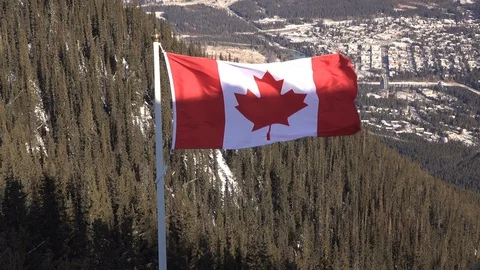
(404, 127)
(402, 44)
(389, 47)
(413, 118)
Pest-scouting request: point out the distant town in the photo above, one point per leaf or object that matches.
(408, 67)
(386, 48)
(411, 44)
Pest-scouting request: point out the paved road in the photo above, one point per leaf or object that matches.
(425, 84)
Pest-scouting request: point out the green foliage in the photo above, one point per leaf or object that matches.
(248, 9)
(453, 162)
(332, 9)
(74, 77)
(202, 19)
(315, 9)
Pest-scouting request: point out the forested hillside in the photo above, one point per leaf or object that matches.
(201, 19)
(343, 9)
(204, 23)
(453, 162)
(77, 168)
(320, 9)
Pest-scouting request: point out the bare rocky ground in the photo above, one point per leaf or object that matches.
(244, 55)
(214, 3)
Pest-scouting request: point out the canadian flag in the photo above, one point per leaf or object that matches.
(219, 104)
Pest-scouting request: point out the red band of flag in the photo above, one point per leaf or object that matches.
(220, 104)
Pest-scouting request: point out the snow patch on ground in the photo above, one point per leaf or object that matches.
(38, 144)
(275, 19)
(466, 2)
(225, 174)
(39, 110)
(329, 22)
(143, 118)
(464, 136)
(214, 3)
(217, 169)
(125, 64)
(158, 14)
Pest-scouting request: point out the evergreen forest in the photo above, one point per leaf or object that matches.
(343, 9)
(77, 168)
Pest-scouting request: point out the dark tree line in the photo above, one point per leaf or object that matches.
(453, 162)
(248, 9)
(77, 169)
(201, 19)
(331, 9)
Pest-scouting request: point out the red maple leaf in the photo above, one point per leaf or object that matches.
(271, 107)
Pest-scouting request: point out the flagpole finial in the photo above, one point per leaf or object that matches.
(156, 36)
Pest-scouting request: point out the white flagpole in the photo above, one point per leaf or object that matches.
(161, 168)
